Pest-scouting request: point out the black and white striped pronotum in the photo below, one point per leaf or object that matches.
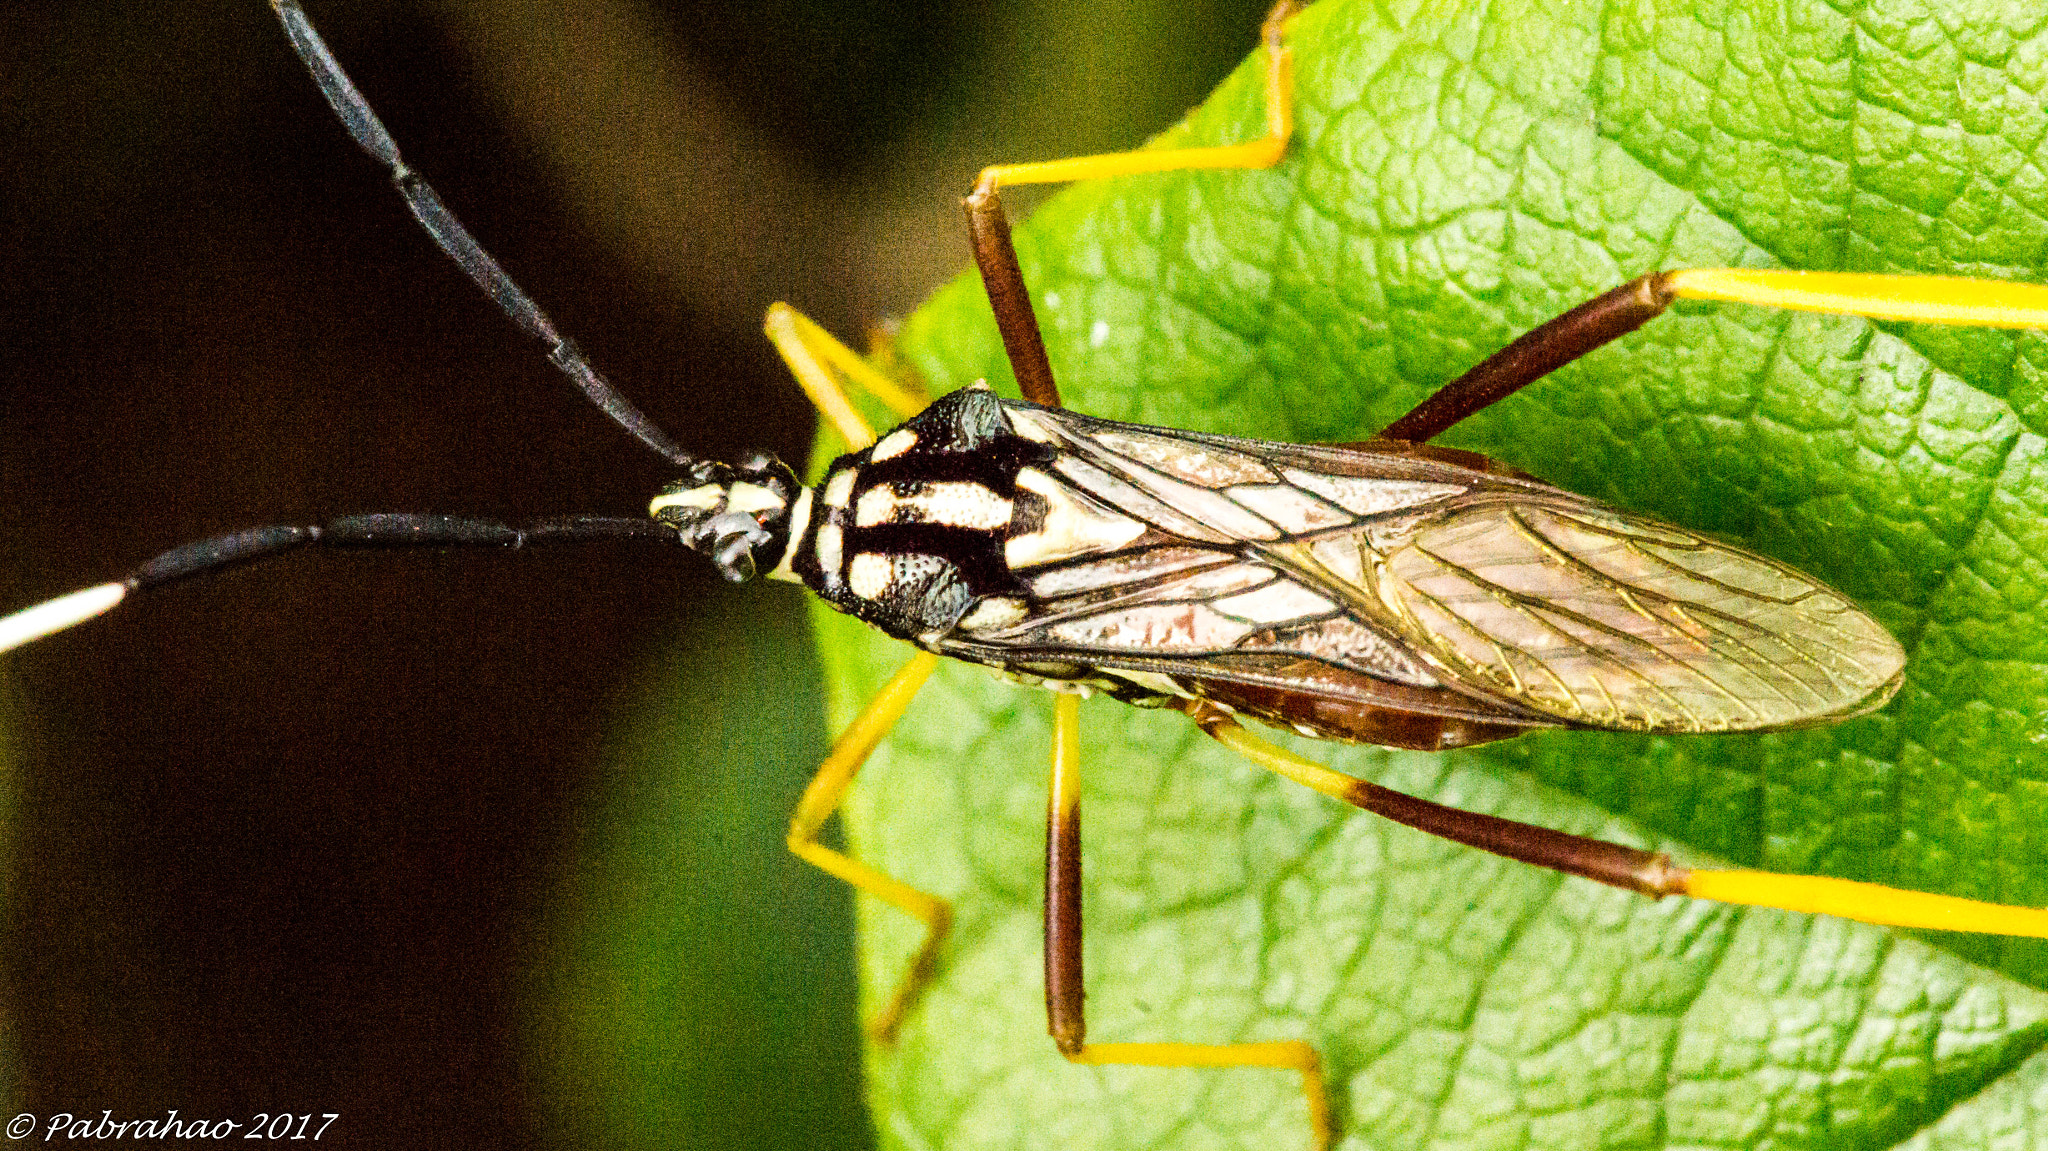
(1379, 592)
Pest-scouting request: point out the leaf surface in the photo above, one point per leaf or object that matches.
(1462, 173)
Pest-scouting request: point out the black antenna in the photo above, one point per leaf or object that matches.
(378, 530)
(454, 239)
(386, 529)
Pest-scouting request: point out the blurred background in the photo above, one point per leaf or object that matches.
(473, 849)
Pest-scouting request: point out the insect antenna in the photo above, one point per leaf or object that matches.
(383, 529)
(456, 240)
(403, 529)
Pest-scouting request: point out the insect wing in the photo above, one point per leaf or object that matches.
(1617, 621)
(1157, 559)
(1409, 583)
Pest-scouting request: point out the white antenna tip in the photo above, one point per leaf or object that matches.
(50, 616)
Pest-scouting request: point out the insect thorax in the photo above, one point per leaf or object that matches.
(909, 534)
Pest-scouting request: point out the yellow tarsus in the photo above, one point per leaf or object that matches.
(1280, 1054)
(1866, 902)
(823, 797)
(1263, 152)
(1921, 299)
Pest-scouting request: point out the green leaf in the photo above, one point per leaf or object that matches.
(1461, 175)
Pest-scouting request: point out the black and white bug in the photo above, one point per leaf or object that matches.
(1179, 570)
(1157, 566)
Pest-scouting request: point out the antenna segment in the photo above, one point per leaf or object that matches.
(379, 530)
(454, 239)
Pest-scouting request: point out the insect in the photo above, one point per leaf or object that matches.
(922, 433)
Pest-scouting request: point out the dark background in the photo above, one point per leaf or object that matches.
(299, 838)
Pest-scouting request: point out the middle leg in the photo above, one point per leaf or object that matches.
(1065, 1015)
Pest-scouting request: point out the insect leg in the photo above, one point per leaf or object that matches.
(1650, 873)
(989, 227)
(813, 355)
(1064, 1008)
(1263, 152)
(1919, 299)
(822, 798)
(1608, 317)
(1534, 355)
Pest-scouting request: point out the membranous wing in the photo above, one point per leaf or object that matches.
(1621, 622)
(1210, 565)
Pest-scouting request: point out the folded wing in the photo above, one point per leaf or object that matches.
(1438, 581)
(1620, 622)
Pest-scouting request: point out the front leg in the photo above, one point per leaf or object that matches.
(989, 226)
(827, 789)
